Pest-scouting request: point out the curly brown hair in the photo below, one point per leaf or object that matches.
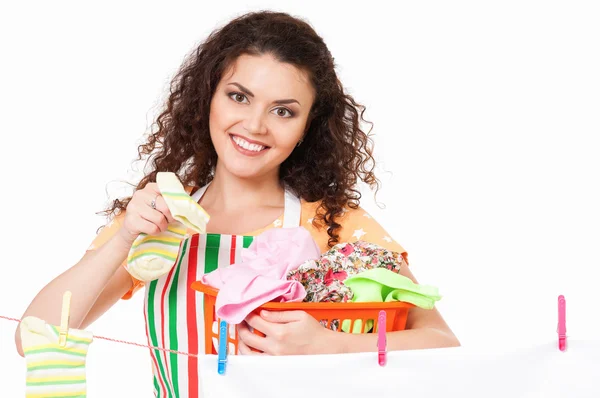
(335, 151)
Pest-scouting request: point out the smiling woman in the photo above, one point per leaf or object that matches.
(261, 133)
(259, 114)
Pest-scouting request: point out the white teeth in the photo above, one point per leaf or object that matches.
(246, 145)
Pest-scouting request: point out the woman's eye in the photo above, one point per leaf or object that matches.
(237, 97)
(241, 98)
(283, 111)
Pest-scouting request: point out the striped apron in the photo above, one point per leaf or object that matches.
(174, 313)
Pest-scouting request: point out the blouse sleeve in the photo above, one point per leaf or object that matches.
(357, 224)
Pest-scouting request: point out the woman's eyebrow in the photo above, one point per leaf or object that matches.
(278, 102)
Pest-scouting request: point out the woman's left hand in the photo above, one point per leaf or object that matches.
(286, 333)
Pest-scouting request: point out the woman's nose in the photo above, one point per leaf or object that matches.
(254, 123)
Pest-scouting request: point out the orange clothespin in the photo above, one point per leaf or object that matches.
(64, 319)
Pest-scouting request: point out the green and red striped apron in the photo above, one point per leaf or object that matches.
(174, 312)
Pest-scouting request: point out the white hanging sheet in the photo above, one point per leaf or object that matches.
(539, 371)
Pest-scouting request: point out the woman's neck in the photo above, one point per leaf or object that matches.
(230, 193)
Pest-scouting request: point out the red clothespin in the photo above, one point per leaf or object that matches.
(562, 323)
(381, 339)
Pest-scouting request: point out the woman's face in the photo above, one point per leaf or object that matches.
(258, 115)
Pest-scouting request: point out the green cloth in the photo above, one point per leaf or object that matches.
(380, 284)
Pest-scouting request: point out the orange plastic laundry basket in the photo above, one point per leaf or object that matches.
(396, 314)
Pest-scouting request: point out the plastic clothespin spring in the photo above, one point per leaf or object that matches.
(64, 319)
(222, 361)
(381, 339)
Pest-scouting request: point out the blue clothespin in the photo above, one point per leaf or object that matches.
(222, 347)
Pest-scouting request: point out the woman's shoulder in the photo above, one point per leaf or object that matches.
(352, 218)
(355, 224)
(311, 209)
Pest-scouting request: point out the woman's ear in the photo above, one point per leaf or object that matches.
(303, 135)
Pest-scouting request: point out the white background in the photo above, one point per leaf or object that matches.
(486, 121)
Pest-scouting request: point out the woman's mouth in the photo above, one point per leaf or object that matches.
(246, 147)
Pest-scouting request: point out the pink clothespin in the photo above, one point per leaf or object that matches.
(562, 323)
(381, 339)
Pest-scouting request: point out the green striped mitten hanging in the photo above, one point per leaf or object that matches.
(54, 370)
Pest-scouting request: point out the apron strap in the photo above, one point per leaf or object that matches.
(291, 212)
(199, 193)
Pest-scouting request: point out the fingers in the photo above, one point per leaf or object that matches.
(147, 213)
(152, 215)
(148, 205)
(258, 323)
(275, 335)
(245, 338)
(243, 349)
(150, 194)
(282, 316)
(148, 227)
(161, 206)
(152, 189)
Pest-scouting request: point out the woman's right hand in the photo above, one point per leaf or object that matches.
(140, 217)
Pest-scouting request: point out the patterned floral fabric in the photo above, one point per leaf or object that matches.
(324, 278)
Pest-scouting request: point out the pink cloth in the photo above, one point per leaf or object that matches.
(261, 276)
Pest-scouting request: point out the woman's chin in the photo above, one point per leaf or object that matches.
(244, 171)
